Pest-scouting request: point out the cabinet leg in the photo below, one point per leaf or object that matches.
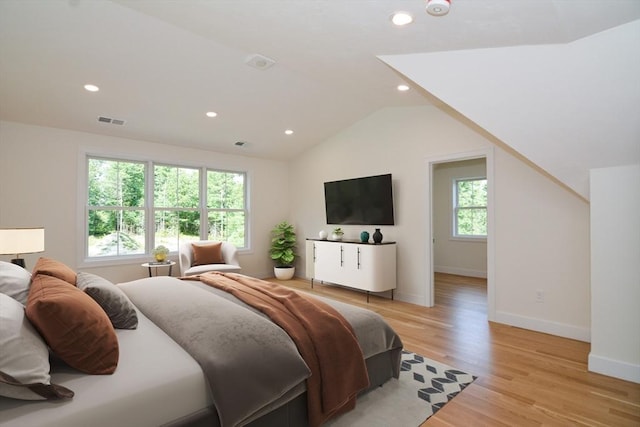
(392, 294)
(367, 297)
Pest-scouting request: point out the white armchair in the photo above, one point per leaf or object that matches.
(229, 259)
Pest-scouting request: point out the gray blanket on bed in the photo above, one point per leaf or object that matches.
(249, 361)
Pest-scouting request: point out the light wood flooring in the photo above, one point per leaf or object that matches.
(526, 378)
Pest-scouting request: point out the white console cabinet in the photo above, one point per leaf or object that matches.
(369, 267)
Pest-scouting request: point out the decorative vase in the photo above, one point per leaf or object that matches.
(336, 237)
(377, 236)
(364, 236)
(160, 257)
(323, 235)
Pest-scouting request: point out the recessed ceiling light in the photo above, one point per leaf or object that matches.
(403, 88)
(288, 132)
(91, 88)
(401, 18)
(211, 114)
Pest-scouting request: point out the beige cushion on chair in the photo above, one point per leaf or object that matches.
(206, 251)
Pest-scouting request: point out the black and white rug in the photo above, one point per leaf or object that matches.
(423, 388)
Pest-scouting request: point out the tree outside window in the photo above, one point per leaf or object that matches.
(470, 207)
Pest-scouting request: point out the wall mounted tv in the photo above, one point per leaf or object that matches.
(360, 201)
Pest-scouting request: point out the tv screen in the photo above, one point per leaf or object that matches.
(360, 201)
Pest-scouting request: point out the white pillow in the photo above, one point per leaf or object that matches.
(24, 358)
(14, 281)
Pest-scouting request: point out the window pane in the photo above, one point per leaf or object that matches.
(471, 193)
(225, 190)
(114, 183)
(116, 232)
(175, 227)
(227, 226)
(472, 222)
(176, 187)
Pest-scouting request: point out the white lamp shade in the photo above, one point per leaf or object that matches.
(15, 241)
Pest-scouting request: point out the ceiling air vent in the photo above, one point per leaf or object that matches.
(117, 122)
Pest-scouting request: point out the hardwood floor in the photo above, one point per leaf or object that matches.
(525, 378)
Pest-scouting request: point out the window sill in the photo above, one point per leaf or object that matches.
(479, 239)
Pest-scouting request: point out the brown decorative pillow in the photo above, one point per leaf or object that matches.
(210, 253)
(73, 324)
(54, 268)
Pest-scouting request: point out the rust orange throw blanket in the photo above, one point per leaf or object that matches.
(324, 339)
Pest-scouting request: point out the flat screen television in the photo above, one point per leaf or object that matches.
(360, 201)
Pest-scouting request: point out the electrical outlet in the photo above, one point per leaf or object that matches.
(539, 295)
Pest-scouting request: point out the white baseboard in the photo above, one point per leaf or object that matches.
(460, 271)
(546, 326)
(614, 368)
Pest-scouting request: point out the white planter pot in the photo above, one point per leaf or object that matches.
(284, 273)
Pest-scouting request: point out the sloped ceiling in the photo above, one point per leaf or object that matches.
(162, 64)
(566, 107)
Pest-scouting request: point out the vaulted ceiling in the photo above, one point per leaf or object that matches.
(161, 65)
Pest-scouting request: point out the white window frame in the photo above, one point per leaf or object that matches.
(456, 208)
(149, 209)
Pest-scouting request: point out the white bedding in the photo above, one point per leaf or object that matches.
(156, 382)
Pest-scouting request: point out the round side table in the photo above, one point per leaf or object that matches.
(155, 266)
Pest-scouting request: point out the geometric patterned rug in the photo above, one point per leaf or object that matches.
(423, 388)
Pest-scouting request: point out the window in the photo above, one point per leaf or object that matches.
(176, 205)
(186, 204)
(115, 208)
(470, 207)
(226, 206)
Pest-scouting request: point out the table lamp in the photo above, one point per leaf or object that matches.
(21, 241)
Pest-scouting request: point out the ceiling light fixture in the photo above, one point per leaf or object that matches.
(288, 132)
(401, 18)
(438, 7)
(212, 114)
(403, 88)
(91, 88)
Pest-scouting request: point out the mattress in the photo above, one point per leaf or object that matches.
(156, 383)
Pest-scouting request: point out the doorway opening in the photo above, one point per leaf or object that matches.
(461, 230)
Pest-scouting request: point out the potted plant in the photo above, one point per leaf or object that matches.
(283, 246)
(337, 234)
(160, 253)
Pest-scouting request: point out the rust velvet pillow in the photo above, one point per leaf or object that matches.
(54, 268)
(210, 253)
(73, 325)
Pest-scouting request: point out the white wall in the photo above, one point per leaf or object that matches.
(541, 244)
(450, 255)
(39, 187)
(615, 272)
(541, 229)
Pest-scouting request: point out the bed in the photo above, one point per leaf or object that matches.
(161, 378)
